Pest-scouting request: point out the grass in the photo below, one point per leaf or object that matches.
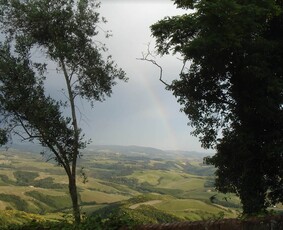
(169, 179)
(9, 217)
(55, 202)
(123, 189)
(94, 184)
(101, 197)
(16, 201)
(14, 217)
(192, 209)
(8, 173)
(182, 183)
(89, 209)
(184, 204)
(151, 176)
(109, 188)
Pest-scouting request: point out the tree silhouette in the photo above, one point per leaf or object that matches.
(232, 91)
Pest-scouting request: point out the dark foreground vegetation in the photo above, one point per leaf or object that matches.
(136, 220)
(232, 90)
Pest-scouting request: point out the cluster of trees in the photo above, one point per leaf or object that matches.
(233, 86)
(232, 91)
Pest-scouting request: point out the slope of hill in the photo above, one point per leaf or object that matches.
(171, 184)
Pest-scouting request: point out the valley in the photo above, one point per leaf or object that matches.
(175, 184)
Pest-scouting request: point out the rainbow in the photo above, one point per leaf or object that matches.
(162, 112)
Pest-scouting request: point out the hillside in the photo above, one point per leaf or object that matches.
(173, 184)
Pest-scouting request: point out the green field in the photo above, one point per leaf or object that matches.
(174, 185)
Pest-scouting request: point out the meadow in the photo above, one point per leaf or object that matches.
(174, 185)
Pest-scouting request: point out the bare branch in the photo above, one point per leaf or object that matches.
(50, 158)
(147, 57)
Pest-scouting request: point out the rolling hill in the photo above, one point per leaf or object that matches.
(172, 184)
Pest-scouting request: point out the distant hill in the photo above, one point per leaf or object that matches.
(148, 184)
(148, 152)
(189, 154)
(132, 150)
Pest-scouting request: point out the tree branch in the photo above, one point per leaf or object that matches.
(145, 57)
(30, 135)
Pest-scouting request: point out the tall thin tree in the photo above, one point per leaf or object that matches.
(64, 32)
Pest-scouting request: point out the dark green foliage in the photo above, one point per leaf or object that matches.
(48, 183)
(6, 180)
(16, 201)
(47, 225)
(116, 169)
(3, 137)
(24, 103)
(118, 215)
(56, 202)
(224, 202)
(234, 85)
(25, 178)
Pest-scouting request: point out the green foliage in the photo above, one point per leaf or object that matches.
(34, 225)
(119, 215)
(25, 178)
(16, 220)
(3, 137)
(6, 180)
(16, 201)
(23, 101)
(210, 183)
(63, 31)
(48, 182)
(202, 171)
(144, 198)
(224, 202)
(234, 84)
(133, 189)
(56, 202)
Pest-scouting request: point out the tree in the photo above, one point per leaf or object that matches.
(232, 92)
(64, 32)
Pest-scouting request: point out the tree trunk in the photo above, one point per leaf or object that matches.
(253, 188)
(74, 197)
(72, 175)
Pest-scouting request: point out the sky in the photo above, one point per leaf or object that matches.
(139, 112)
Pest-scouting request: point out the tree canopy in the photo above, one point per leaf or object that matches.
(63, 31)
(232, 91)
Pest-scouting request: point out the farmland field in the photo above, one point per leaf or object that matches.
(133, 177)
